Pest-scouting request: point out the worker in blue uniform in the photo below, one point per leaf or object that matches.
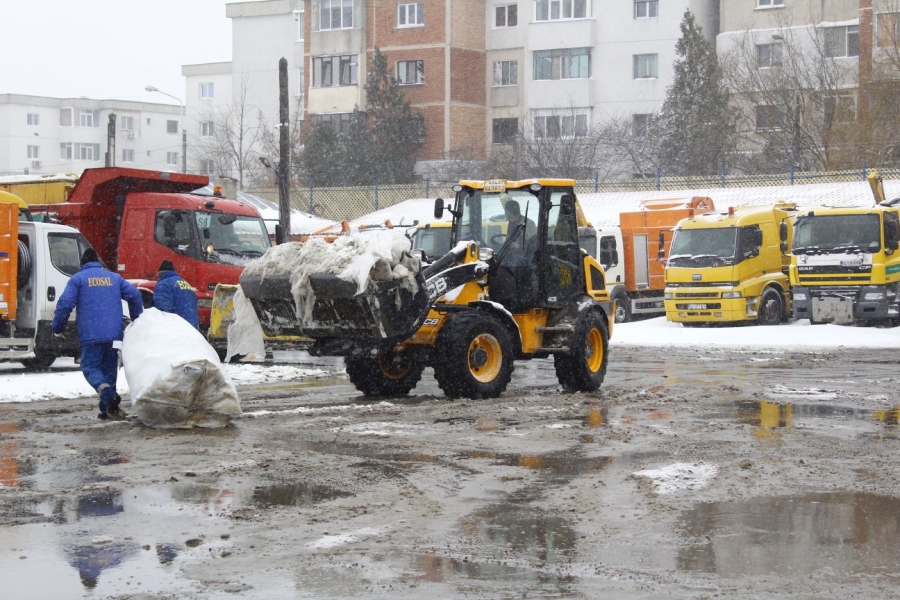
(175, 295)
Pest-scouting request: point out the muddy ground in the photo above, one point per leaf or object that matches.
(785, 486)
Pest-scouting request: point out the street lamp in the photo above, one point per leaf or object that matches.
(151, 88)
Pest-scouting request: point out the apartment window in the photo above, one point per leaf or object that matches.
(418, 125)
(410, 72)
(127, 156)
(646, 66)
(842, 41)
(646, 9)
(554, 10)
(340, 122)
(560, 124)
(126, 123)
(335, 14)
(78, 151)
(207, 129)
(330, 71)
(506, 15)
(34, 151)
(65, 117)
(171, 158)
(207, 90)
(840, 107)
(89, 118)
(299, 15)
(769, 3)
(887, 29)
(206, 166)
(768, 55)
(565, 63)
(504, 131)
(411, 14)
(171, 126)
(33, 119)
(640, 124)
(770, 116)
(506, 72)
(65, 151)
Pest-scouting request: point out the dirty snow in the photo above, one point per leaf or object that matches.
(679, 477)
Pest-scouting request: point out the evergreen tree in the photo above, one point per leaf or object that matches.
(321, 158)
(357, 149)
(697, 123)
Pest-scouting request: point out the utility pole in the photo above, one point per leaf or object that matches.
(284, 150)
(111, 141)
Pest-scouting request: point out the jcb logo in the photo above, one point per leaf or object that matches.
(430, 322)
(438, 288)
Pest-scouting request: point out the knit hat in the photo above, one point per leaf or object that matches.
(89, 255)
(166, 265)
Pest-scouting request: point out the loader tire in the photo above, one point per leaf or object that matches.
(584, 367)
(473, 356)
(388, 374)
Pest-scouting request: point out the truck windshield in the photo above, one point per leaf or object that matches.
(703, 247)
(827, 234)
(231, 239)
(484, 218)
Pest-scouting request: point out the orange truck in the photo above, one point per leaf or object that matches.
(634, 253)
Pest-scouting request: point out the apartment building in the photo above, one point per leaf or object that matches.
(67, 135)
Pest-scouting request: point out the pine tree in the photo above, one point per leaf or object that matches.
(320, 161)
(696, 120)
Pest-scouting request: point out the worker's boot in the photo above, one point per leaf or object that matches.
(115, 412)
(106, 397)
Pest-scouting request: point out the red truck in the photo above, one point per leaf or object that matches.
(136, 218)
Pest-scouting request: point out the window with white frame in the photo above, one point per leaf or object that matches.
(207, 129)
(88, 118)
(646, 66)
(554, 10)
(331, 71)
(340, 122)
(127, 155)
(171, 158)
(207, 90)
(410, 72)
(556, 124)
(65, 117)
(335, 14)
(504, 131)
(646, 9)
(299, 17)
(563, 63)
(126, 123)
(506, 15)
(410, 14)
(769, 3)
(840, 107)
(506, 72)
(171, 126)
(87, 151)
(770, 116)
(768, 55)
(206, 166)
(34, 151)
(842, 41)
(640, 124)
(66, 151)
(33, 119)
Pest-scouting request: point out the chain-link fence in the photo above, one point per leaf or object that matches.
(339, 203)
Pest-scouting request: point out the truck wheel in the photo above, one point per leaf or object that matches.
(771, 308)
(388, 374)
(473, 356)
(623, 306)
(584, 367)
(40, 362)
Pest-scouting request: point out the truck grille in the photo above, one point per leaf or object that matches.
(696, 294)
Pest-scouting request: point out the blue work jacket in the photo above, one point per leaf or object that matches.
(175, 295)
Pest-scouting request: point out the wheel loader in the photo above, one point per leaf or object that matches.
(502, 293)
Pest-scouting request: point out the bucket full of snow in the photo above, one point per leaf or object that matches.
(363, 290)
(174, 375)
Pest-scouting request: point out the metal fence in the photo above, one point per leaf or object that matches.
(339, 203)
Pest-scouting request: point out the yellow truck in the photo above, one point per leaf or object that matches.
(731, 266)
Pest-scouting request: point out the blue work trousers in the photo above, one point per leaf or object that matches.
(100, 366)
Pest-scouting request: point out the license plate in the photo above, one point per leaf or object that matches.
(696, 307)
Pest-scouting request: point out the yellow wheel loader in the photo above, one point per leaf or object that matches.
(515, 285)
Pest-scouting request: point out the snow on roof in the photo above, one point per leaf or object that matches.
(12, 179)
(301, 222)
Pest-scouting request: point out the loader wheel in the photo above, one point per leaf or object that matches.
(771, 308)
(473, 356)
(583, 369)
(388, 374)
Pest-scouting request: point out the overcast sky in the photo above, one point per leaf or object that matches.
(108, 48)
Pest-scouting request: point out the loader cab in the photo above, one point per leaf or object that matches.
(531, 227)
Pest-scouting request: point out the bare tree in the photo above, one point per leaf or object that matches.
(634, 144)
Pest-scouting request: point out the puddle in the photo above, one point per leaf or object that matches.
(775, 415)
(846, 532)
(560, 464)
(296, 494)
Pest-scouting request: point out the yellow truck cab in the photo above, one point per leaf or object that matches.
(433, 239)
(731, 266)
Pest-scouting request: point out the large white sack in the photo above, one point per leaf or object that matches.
(174, 375)
(245, 334)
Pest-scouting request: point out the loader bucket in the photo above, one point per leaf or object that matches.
(341, 321)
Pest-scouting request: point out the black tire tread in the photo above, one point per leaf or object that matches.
(451, 368)
(571, 369)
(366, 376)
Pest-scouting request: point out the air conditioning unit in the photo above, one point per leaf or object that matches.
(132, 135)
(35, 164)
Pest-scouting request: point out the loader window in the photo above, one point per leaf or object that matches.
(609, 252)
(563, 254)
(66, 250)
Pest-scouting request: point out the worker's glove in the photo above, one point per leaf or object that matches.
(59, 336)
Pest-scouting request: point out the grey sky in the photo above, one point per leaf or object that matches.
(108, 48)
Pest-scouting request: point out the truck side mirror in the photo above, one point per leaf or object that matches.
(567, 205)
(783, 232)
(438, 208)
(279, 234)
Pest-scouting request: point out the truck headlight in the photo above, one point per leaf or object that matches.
(873, 296)
(731, 295)
(799, 295)
(668, 296)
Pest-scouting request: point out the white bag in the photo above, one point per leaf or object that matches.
(174, 375)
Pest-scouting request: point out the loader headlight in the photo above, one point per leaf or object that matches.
(731, 295)
(419, 253)
(485, 254)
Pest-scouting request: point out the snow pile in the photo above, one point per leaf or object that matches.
(174, 375)
(362, 257)
(245, 335)
(679, 476)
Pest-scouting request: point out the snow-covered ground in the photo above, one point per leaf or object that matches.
(65, 381)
